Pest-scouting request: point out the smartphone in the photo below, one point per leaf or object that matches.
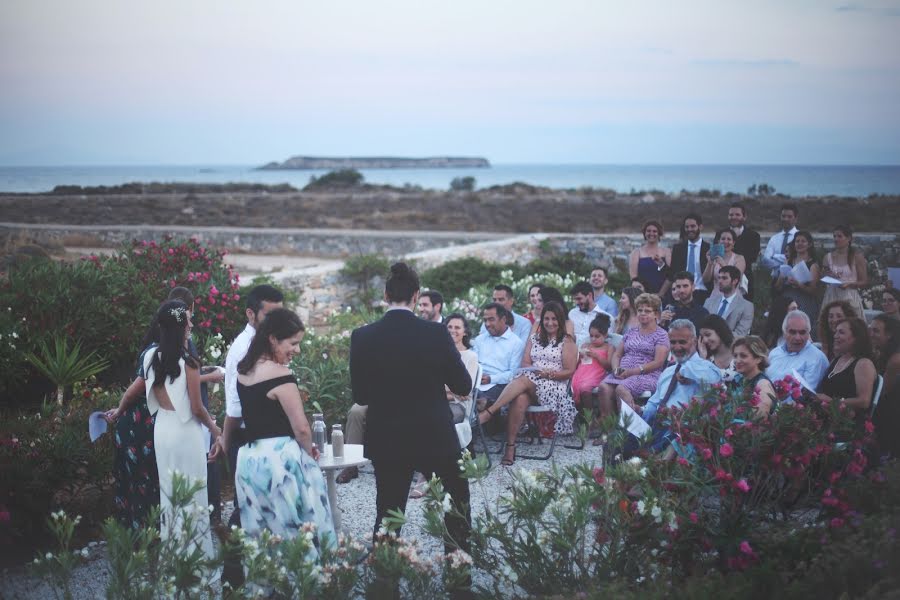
(717, 250)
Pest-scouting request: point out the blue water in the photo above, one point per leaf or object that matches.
(792, 180)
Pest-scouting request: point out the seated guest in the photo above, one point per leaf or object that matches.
(277, 480)
(551, 294)
(599, 279)
(729, 304)
(499, 352)
(504, 296)
(801, 249)
(637, 282)
(779, 307)
(850, 378)
(534, 297)
(627, 317)
(832, 314)
(594, 361)
(797, 352)
(750, 362)
(431, 305)
(638, 361)
(890, 303)
(584, 312)
(685, 306)
(714, 344)
(553, 355)
(730, 259)
(684, 379)
(885, 334)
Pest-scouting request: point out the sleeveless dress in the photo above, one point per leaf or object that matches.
(134, 465)
(843, 385)
(180, 446)
(806, 302)
(279, 486)
(846, 273)
(639, 350)
(650, 274)
(588, 376)
(552, 394)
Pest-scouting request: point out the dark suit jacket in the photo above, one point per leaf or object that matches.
(679, 257)
(747, 245)
(398, 368)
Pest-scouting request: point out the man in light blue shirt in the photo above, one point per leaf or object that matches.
(599, 279)
(504, 295)
(797, 353)
(687, 377)
(499, 352)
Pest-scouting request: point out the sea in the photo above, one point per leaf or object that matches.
(793, 180)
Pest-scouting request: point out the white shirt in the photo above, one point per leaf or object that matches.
(582, 322)
(236, 353)
(698, 272)
(773, 248)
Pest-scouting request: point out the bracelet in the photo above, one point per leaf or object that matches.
(641, 369)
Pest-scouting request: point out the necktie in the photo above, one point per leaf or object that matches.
(672, 385)
(784, 242)
(722, 307)
(690, 260)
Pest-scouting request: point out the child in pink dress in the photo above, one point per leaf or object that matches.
(594, 362)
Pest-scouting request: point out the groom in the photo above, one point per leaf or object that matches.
(398, 368)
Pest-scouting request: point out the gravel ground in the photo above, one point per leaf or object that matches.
(357, 501)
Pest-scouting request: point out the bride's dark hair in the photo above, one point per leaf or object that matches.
(172, 319)
(280, 323)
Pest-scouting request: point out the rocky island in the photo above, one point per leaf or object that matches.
(378, 162)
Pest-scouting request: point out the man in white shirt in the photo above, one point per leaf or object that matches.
(776, 250)
(729, 304)
(599, 279)
(504, 295)
(797, 353)
(584, 312)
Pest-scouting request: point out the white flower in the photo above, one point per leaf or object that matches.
(641, 507)
(656, 513)
(643, 472)
(84, 552)
(48, 556)
(446, 505)
(634, 461)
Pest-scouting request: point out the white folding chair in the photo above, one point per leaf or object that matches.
(879, 386)
(464, 429)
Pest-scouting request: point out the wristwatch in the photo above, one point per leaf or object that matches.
(641, 369)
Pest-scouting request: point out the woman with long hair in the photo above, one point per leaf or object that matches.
(714, 342)
(885, 335)
(649, 261)
(731, 258)
(278, 483)
(550, 357)
(850, 378)
(801, 249)
(890, 303)
(537, 304)
(833, 313)
(848, 265)
(627, 317)
(779, 307)
(750, 362)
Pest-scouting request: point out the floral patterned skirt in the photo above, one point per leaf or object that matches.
(134, 468)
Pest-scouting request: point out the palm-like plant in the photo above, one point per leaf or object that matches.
(64, 366)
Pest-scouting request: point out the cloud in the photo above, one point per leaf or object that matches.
(745, 63)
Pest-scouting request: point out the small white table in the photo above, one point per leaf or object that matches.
(353, 457)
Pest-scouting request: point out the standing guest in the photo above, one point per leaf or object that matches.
(173, 392)
(797, 352)
(750, 362)
(399, 366)
(847, 264)
(885, 334)
(593, 365)
(746, 242)
(599, 279)
(627, 310)
(714, 344)
(729, 304)
(850, 378)
(649, 261)
(779, 307)
(277, 480)
(638, 360)
(685, 303)
(833, 313)
(731, 258)
(431, 306)
(890, 303)
(553, 356)
(690, 255)
(534, 297)
(584, 312)
(801, 249)
(775, 253)
(504, 295)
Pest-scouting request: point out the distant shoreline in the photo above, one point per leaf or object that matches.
(312, 163)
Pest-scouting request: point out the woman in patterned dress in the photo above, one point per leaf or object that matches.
(551, 358)
(279, 485)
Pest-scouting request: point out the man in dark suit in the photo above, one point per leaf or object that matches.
(746, 242)
(690, 254)
(398, 368)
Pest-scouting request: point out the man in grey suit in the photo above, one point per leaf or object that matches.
(729, 304)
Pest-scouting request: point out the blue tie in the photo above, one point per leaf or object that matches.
(690, 261)
(723, 307)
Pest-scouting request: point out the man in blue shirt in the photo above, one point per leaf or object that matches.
(499, 352)
(599, 279)
(797, 353)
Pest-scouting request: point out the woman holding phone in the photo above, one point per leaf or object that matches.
(721, 254)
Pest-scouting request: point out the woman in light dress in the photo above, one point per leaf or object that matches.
(848, 265)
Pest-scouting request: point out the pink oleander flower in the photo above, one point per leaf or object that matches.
(746, 548)
(599, 476)
(870, 427)
(726, 450)
(836, 523)
(693, 517)
(729, 433)
(742, 485)
(706, 453)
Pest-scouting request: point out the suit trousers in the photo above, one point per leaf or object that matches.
(392, 481)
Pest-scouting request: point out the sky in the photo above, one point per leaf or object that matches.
(106, 82)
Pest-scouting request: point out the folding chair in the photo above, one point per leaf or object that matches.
(879, 387)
